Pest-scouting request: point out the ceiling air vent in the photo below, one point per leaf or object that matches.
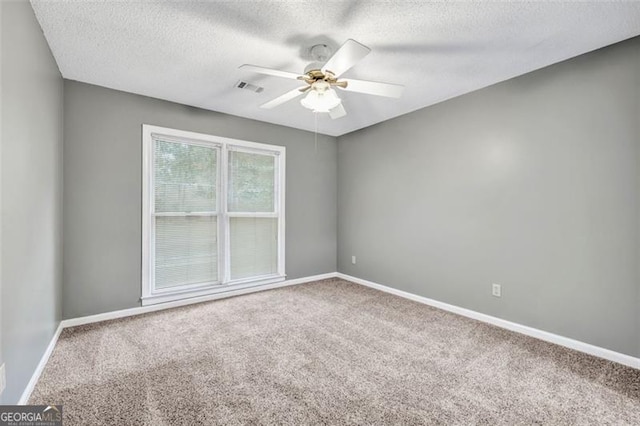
(244, 85)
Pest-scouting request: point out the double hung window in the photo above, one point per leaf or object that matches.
(213, 214)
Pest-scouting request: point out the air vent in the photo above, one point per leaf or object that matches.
(248, 86)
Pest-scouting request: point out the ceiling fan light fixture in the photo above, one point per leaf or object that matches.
(322, 76)
(321, 101)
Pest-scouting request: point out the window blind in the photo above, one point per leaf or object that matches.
(186, 250)
(185, 177)
(254, 244)
(186, 243)
(254, 247)
(251, 182)
(213, 214)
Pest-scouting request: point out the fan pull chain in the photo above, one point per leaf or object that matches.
(315, 116)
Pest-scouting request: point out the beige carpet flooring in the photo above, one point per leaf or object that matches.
(329, 352)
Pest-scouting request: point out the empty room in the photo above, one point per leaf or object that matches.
(298, 212)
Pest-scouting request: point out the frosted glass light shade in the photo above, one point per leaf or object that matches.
(321, 101)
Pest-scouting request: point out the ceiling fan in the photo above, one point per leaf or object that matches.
(322, 78)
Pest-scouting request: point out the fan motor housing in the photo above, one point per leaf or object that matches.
(315, 74)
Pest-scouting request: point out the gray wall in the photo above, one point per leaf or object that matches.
(532, 183)
(32, 91)
(1, 215)
(103, 184)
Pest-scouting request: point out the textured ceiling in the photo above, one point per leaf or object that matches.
(189, 52)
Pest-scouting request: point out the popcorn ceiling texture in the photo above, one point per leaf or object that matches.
(329, 352)
(189, 52)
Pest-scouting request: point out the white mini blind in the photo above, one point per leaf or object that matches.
(254, 247)
(186, 250)
(185, 177)
(186, 243)
(254, 239)
(251, 182)
(213, 214)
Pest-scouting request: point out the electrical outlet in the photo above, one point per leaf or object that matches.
(496, 290)
(353, 260)
(3, 380)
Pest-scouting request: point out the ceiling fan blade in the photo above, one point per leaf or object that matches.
(269, 71)
(347, 56)
(282, 99)
(373, 88)
(337, 112)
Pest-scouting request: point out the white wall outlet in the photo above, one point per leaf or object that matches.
(496, 290)
(3, 379)
(353, 260)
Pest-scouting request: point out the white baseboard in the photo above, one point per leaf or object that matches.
(151, 308)
(190, 301)
(43, 361)
(518, 328)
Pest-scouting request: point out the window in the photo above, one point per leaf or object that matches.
(213, 214)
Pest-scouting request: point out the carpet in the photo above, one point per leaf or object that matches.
(329, 352)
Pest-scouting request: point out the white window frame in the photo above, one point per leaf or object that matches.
(150, 133)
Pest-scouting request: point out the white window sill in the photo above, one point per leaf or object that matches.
(233, 287)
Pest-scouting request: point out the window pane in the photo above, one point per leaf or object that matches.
(254, 247)
(185, 177)
(186, 250)
(251, 182)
